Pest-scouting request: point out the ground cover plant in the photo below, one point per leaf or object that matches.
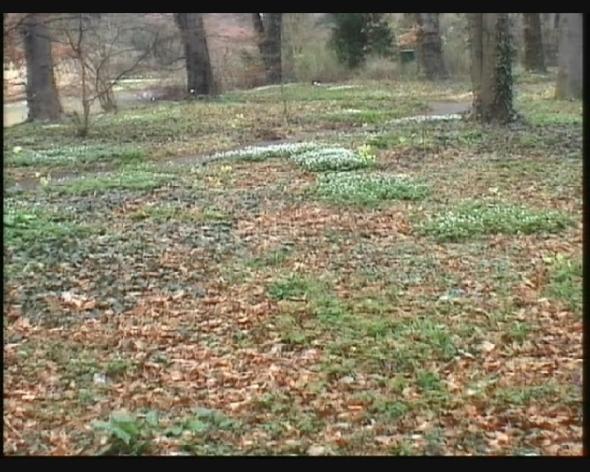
(183, 284)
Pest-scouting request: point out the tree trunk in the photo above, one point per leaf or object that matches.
(430, 46)
(570, 57)
(198, 64)
(42, 98)
(269, 29)
(491, 67)
(534, 58)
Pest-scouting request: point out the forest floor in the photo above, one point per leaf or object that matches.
(161, 302)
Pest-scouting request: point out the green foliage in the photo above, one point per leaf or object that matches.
(271, 258)
(356, 35)
(524, 395)
(206, 420)
(64, 155)
(24, 226)
(293, 286)
(132, 434)
(129, 179)
(566, 281)
(429, 381)
(332, 159)
(126, 432)
(391, 410)
(367, 189)
(481, 218)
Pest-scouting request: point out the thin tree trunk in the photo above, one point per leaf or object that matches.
(198, 64)
(430, 45)
(269, 29)
(42, 97)
(570, 57)
(491, 67)
(534, 58)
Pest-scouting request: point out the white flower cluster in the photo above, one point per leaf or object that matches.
(330, 159)
(69, 154)
(342, 87)
(491, 218)
(259, 153)
(367, 188)
(421, 118)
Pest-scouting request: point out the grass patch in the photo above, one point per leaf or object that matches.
(294, 286)
(524, 395)
(272, 258)
(367, 189)
(482, 218)
(566, 281)
(171, 212)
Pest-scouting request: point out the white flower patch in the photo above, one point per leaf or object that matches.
(368, 188)
(422, 118)
(342, 87)
(259, 153)
(491, 218)
(330, 159)
(270, 87)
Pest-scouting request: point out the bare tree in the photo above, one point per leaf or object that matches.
(430, 46)
(491, 67)
(42, 97)
(198, 64)
(534, 57)
(570, 56)
(268, 26)
(96, 44)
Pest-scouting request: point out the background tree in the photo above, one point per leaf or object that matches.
(430, 46)
(198, 64)
(100, 46)
(268, 26)
(42, 98)
(570, 56)
(356, 35)
(550, 34)
(491, 67)
(534, 57)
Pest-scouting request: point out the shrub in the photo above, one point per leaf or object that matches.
(355, 35)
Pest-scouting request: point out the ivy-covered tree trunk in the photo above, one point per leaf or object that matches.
(430, 44)
(198, 64)
(570, 56)
(534, 58)
(42, 97)
(491, 67)
(269, 28)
